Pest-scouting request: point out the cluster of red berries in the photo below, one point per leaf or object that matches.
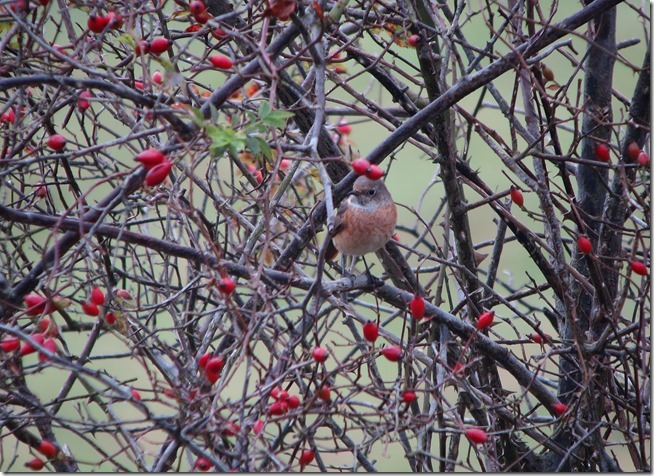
(212, 366)
(283, 402)
(47, 449)
(638, 155)
(98, 23)
(157, 165)
(91, 307)
(364, 167)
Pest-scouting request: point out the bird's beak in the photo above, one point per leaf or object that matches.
(353, 192)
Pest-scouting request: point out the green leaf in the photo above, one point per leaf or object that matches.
(265, 148)
(197, 117)
(253, 145)
(257, 145)
(277, 118)
(217, 151)
(264, 110)
(126, 39)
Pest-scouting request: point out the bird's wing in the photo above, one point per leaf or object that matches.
(339, 224)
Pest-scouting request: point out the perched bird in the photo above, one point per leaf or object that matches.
(365, 220)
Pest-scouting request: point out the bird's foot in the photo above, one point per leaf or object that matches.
(374, 281)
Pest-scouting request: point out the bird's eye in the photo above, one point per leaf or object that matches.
(372, 191)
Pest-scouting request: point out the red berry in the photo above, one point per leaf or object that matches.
(516, 196)
(97, 23)
(83, 100)
(226, 285)
(204, 358)
(374, 172)
(212, 377)
(28, 348)
(157, 77)
(35, 304)
(159, 45)
(201, 18)
(344, 128)
(319, 354)
(413, 40)
(136, 395)
(124, 294)
(36, 464)
(633, 150)
(293, 401)
(278, 408)
(306, 457)
(97, 296)
(602, 153)
(476, 435)
(324, 393)
(221, 61)
(281, 394)
(170, 393)
(277, 393)
(19, 6)
(639, 268)
(215, 364)
(47, 449)
(110, 318)
(370, 331)
(392, 352)
(157, 174)
(258, 176)
(142, 47)
(232, 429)
(150, 158)
(9, 116)
(417, 307)
(485, 320)
(115, 20)
(51, 346)
(203, 464)
(258, 427)
(196, 7)
(10, 344)
(56, 142)
(560, 408)
(643, 159)
(41, 190)
(217, 33)
(90, 309)
(584, 245)
(360, 166)
(47, 327)
(409, 396)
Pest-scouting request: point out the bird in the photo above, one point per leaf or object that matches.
(365, 220)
